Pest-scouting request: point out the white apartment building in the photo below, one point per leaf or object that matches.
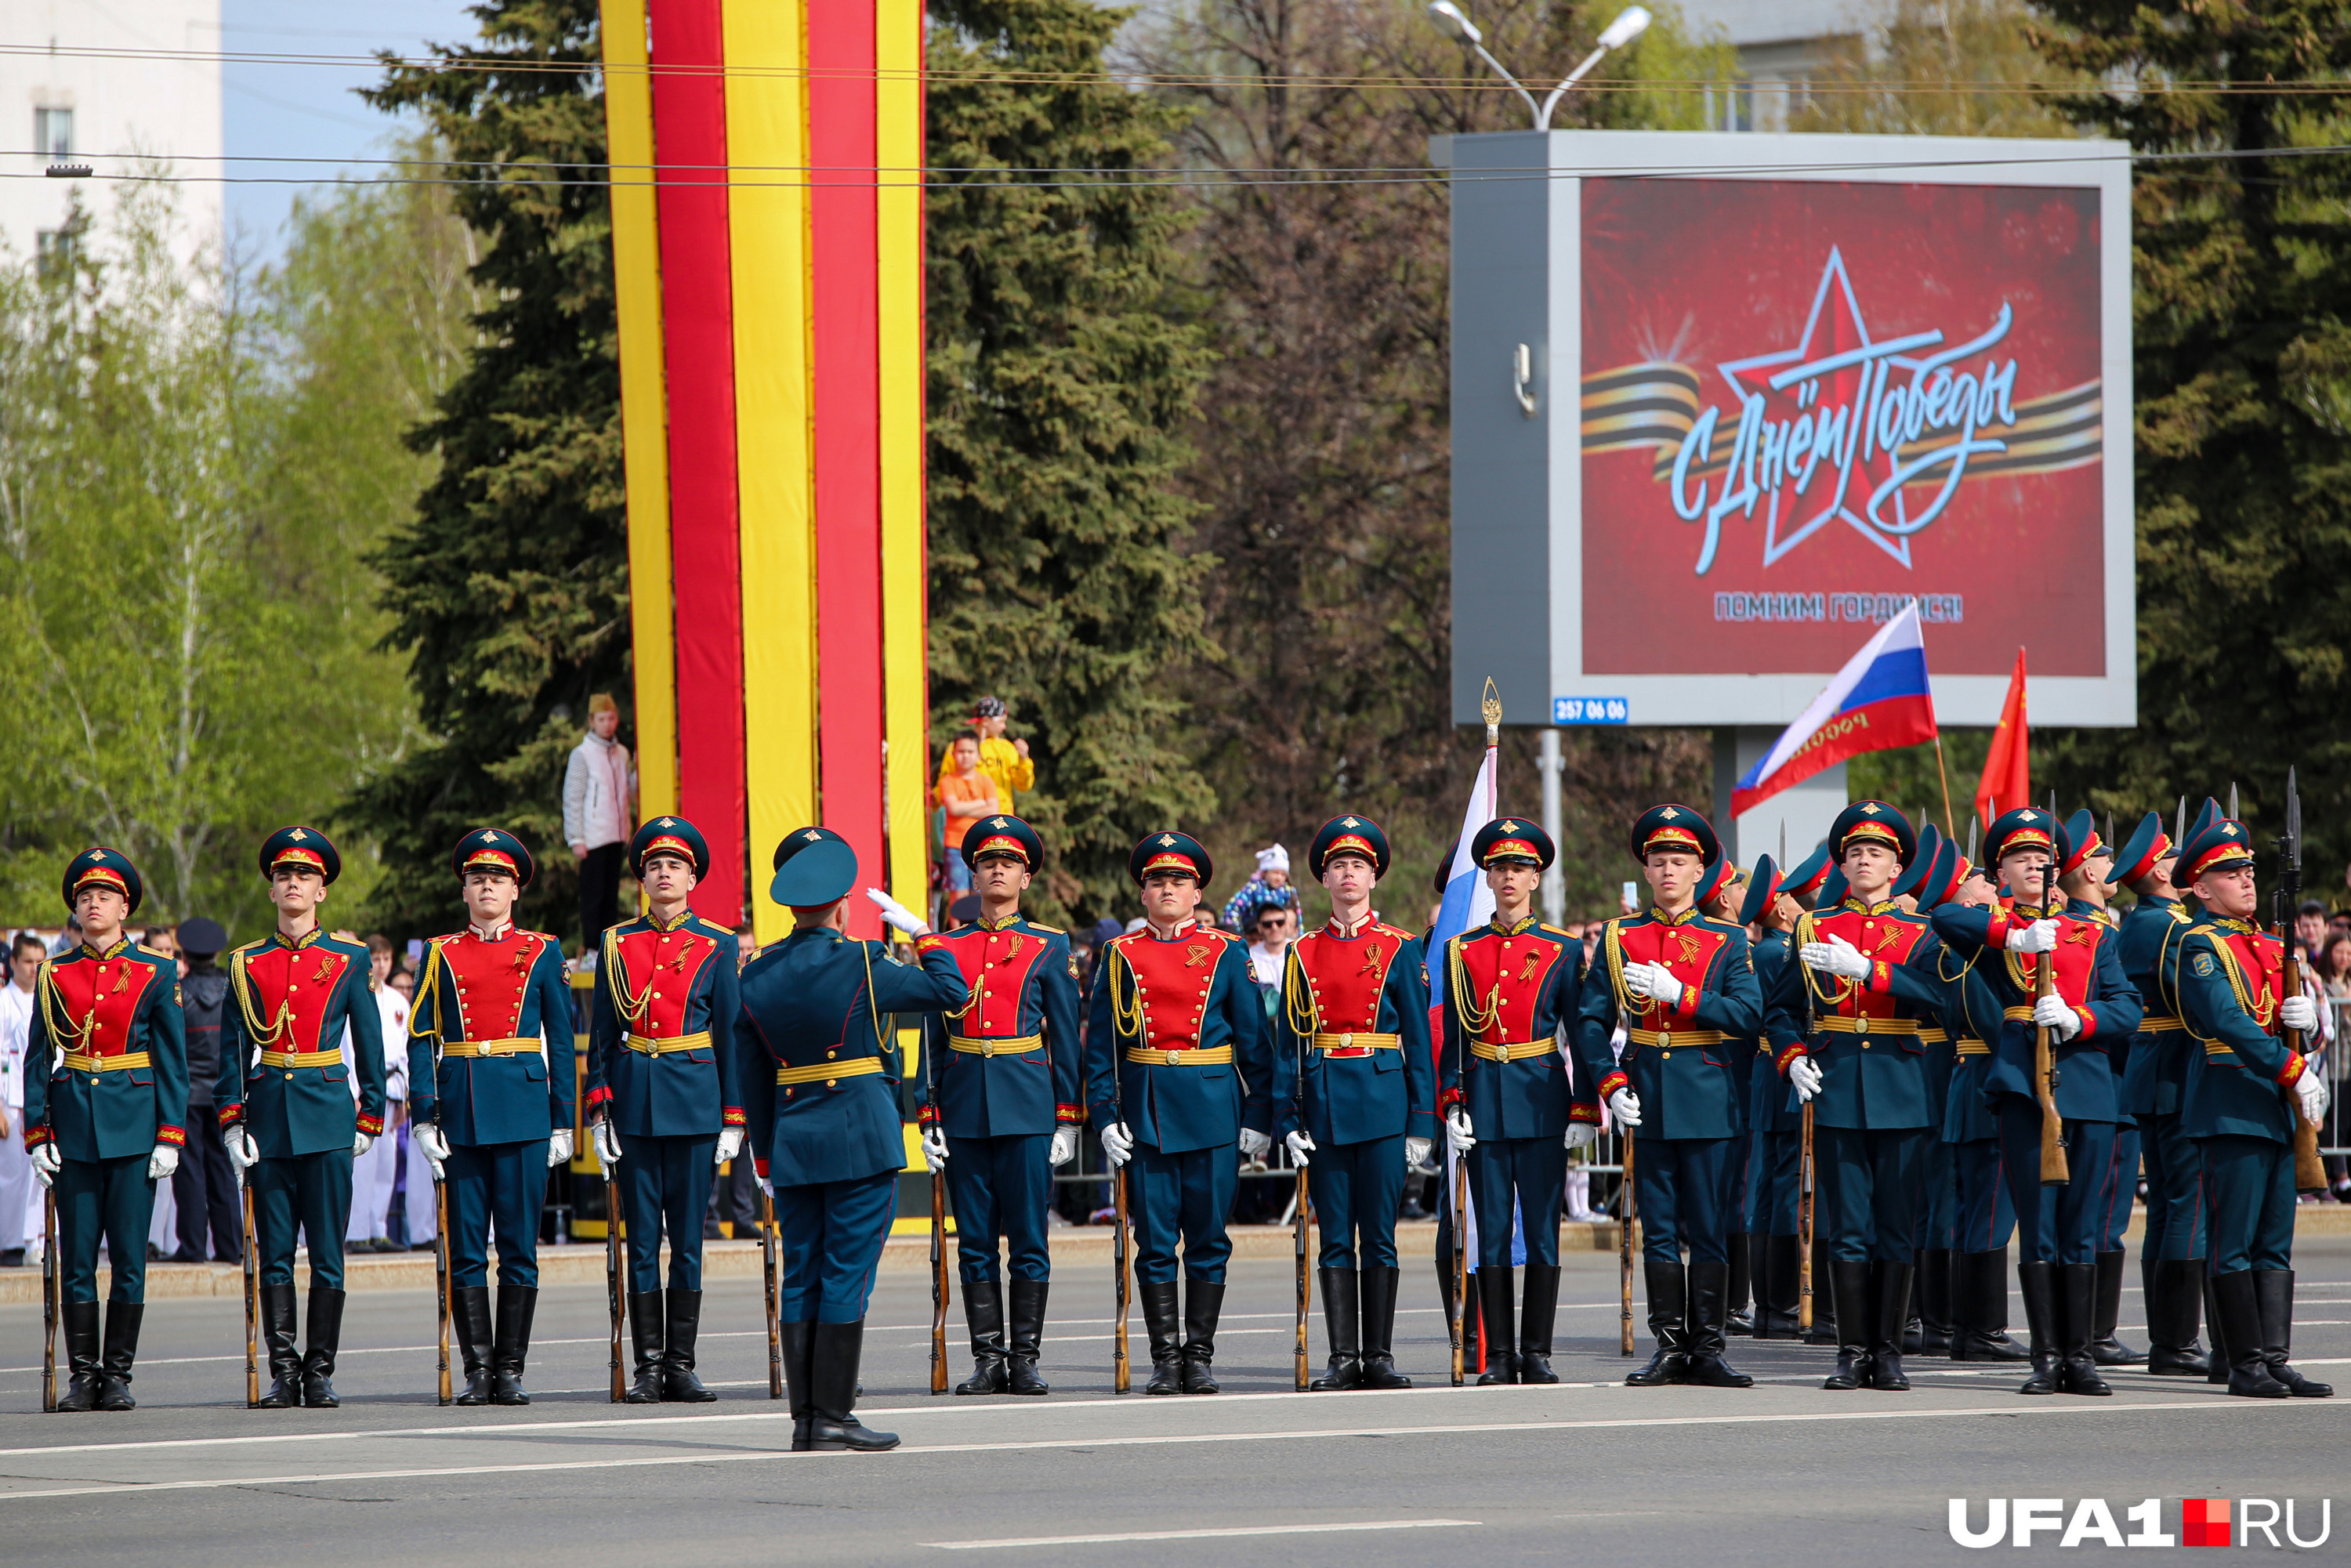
(84, 81)
(1782, 44)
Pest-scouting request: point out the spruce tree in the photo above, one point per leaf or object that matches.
(2241, 267)
(1059, 383)
(509, 587)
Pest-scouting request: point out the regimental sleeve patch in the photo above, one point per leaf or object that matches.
(1073, 966)
(2203, 965)
(178, 1001)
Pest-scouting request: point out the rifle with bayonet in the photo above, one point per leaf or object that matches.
(1298, 1215)
(2309, 1171)
(1106, 974)
(938, 1234)
(2053, 1171)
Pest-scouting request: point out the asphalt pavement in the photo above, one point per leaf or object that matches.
(1785, 1472)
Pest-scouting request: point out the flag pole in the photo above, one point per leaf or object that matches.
(1490, 706)
(1943, 774)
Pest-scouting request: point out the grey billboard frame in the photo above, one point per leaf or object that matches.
(1517, 474)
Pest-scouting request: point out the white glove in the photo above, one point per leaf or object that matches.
(2041, 937)
(558, 1148)
(2052, 1013)
(767, 1186)
(1065, 1146)
(1299, 1144)
(1581, 1135)
(1456, 1131)
(1654, 981)
(1118, 1144)
(1625, 1106)
(362, 1143)
(242, 1151)
(730, 1143)
(934, 1150)
(2299, 1013)
(1835, 957)
(896, 914)
(605, 1139)
(1805, 1074)
(1256, 1145)
(46, 1162)
(163, 1161)
(1416, 1153)
(429, 1142)
(2312, 1088)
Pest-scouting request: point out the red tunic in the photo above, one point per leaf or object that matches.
(1172, 980)
(101, 996)
(297, 982)
(1511, 973)
(1349, 975)
(492, 978)
(660, 966)
(995, 966)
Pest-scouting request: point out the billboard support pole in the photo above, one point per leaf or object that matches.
(1554, 882)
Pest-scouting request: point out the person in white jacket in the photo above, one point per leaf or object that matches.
(599, 790)
(20, 1199)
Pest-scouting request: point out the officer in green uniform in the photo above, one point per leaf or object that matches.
(664, 1109)
(287, 1118)
(2155, 1081)
(2244, 1090)
(105, 1082)
(1684, 989)
(820, 1078)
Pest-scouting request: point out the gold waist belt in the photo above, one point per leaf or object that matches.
(1358, 1042)
(646, 1045)
(1834, 1024)
(489, 1047)
(1213, 1056)
(1019, 1047)
(1934, 1036)
(1665, 1037)
(2159, 1024)
(2023, 1014)
(1515, 1050)
(1974, 1048)
(78, 1062)
(301, 1059)
(826, 1072)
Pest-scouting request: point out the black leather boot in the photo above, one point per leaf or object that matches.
(800, 1377)
(1027, 1339)
(1736, 1318)
(1934, 1286)
(645, 1343)
(122, 1319)
(1202, 1303)
(2175, 1300)
(511, 1346)
(983, 1310)
(1824, 1326)
(1537, 1315)
(2237, 1328)
(1341, 1311)
(469, 1316)
(1889, 1312)
(2077, 1306)
(1980, 1286)
(1775, 1314)
(2105, 1350)
(679, 1385)
(326, 1338)
(1708, 1310)
(81, 1357)
(2219, 1365)
(1497, 1307)
(1164, 1322)
(2038, 1284)
(284, 1391)
(1668, 1324)
(1849, 1290)
(1379, 1327)
(2274, 1302)
(833, 1427)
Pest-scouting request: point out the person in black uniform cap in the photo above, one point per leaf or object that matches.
(204, 1189)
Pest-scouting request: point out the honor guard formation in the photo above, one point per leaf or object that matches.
(1852, 1081)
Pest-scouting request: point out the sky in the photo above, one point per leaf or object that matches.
(273, 110)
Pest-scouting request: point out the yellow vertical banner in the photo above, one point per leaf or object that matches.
(644, 415)
(898, 152)
(767, 215)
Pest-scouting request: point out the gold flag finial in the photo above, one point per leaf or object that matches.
(1490, 705)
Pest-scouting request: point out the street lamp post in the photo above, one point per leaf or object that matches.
(1455, 23)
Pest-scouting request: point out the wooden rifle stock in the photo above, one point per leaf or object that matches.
(938, 1282)
(2053, 1171)
(440, 1269)
(614, 1297)
(1805, 1184)
(252, 1298)
(769, 1263)
(1119, 1382)
(1298, 1230)
(2309, 1170)
(1625, 1251)
(49, 1299)
(1460, 1264)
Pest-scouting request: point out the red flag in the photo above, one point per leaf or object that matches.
(2007, 771)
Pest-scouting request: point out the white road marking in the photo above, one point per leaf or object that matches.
(1207, 1534)
(2006, 1410)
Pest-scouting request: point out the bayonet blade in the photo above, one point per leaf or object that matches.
(2232, 803)
(2293, 820)
(2180, 823)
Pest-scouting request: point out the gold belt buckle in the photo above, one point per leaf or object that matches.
(1665, 1037)
(1347, 1041)
(1174, 1057)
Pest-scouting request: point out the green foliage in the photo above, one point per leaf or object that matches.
(509, 585)
(1058, 386)
(2241, 267)
(191, 465)
(1939, 68)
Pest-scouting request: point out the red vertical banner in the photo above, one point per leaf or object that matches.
(2007, 780)
(845, 349)
(698, 319)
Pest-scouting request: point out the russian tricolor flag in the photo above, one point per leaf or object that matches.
(1878, 700)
